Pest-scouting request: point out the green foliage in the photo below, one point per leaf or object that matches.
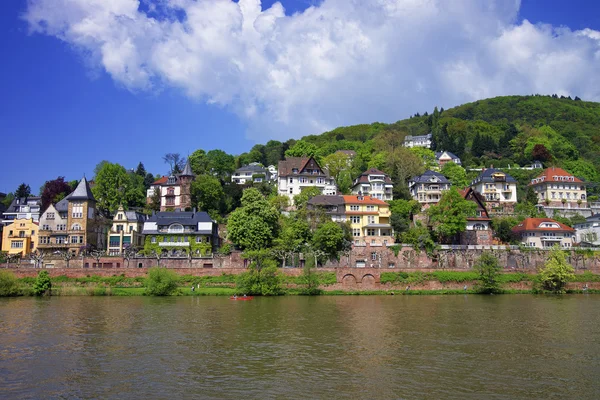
(309, 281)
(330, 239)
(488, 269)
(455, 174)
(263, 280)
(161, 282)
(402, 214)
(555, 274)
(9, 284)
(302, 149)
(449, 217)
(207, 194)
(255, 224)
(114, 186)
(42, 285)
(419, 237)
(503, 226)
(305, 195)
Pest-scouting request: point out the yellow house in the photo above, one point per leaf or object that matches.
(126, 231)
(20, 237)
(369, 219)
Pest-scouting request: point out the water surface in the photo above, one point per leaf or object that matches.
(384, 347)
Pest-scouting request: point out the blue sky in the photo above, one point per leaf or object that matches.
(61, 112)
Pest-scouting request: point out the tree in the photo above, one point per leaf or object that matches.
(302, 149)
(175, 162)
(161, 282)
(9, 284)
(402, 164)
(220, 163)
(402, 214)
(541, 153)
(488, 269)
(23, 191)
(141, 170)
(54, 191)
(309, 280)
(455, 174)
(305, 195)
(38, 258)
(154, 205)
(129, 252)
(336, 164)
(503, 226)
(97, 254)
(556, 273)
(428, 156)
(8, 199)
(148, 180)
(449, 217)
(419, 237)
(199, 162)
(261, 279)
(67, 256)
(293, 235)
(330, 239)
(114, 187)
(254, 225)
(43, 284)
(208, 194)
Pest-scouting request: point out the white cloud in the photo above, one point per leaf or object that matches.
(338, 63)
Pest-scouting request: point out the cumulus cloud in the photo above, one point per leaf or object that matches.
(340, 62)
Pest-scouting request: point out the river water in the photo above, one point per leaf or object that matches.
(369, 347)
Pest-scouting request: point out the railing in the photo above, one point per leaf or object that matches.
(552, 237)
(174, 244)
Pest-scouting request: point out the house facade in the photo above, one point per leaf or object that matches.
(74, 223)
(418, 141)
(251, 173)
(20, 236)
(443, 157)
(374, 183)
(180, 233)
(297, 173)
(333, 206)
(175, 190)
(369, 219)
(499, 190)
(428, 188)
(478, 230)
(587, 234)
(556, 187)
(126, 231)
(544, 233)
(22, 208)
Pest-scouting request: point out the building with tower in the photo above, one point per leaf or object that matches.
(175, 190)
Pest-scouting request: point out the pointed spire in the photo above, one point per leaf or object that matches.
(82, 191)
(187, 170)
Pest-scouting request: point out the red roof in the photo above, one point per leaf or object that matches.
(365, 200)
(161, 180)
(533, 224)
(555, 175)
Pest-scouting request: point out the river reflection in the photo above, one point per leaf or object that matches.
(503, 347)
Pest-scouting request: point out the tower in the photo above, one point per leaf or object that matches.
(185, 181)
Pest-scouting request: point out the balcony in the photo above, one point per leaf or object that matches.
(173, 244)
(553, 238)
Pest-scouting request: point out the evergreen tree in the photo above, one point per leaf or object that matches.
(23, 191)
(141, 171)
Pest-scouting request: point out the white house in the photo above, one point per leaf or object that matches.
(544, 233)
(588, 233)
(374, 183)
(253, 172)
(297, 173)
(498, 189)
(418, 141)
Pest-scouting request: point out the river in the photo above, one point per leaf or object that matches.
(369, 347)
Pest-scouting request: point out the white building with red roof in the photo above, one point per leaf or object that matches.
(556, 187)
(297, 173)
(544, 233)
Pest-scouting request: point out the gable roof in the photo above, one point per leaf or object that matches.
(426, 177)
(353, 199)
(324, 200)
(62, 206)
(472, 195)
(82, 191)
(533, 224)
(554, 174)
(439, 154)
(287, 166)
(364, 177)
(22, 201)
(160, 181)
(487, 176)
(251, 168)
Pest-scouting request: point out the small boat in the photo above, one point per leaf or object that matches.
(246, 298)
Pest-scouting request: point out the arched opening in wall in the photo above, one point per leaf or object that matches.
(139, 265)
(368, 282)
(349, 280)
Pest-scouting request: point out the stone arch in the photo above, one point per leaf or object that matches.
(368, 281)
(349, 280)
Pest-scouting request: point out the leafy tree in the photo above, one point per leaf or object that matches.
(455, 174)
(419, 237)
(488, 269)
(556, 273)
(336, 164)
(402, 164)
(23, 191)
(114, 187)
(261, 279)
(274, 152)
(449, 217)
(301, 149)
(428, 156)
(161, 282)
(541, 153)
(220, 163)
(305, 195)
(309, 281)
(503, 228)
(208, 194)
(42, 285)
(9, 284)
(8, 199)
(154, 205)
(294, 233)
(54, 191)
(199, 162)
(175, 162)
(254, 225)
(330, 239)
(280, 202)
(402, 214)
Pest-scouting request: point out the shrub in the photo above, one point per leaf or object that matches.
(309, 282)
(556, 273)
(9, 285)
(488, 268)
(161, 282)
(264, 281)
(42, 285)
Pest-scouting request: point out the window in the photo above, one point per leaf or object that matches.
(45, 227)
(373, 256)
(50, 215)
(61, 227)
(391, 265)
(371, 232)
(44, 240)
(77, 210)
(371, 219)
(76, 227)
(32, 233)
(120, 216)
(130, 228)
(354, 208)
(291, 180)
(175, 228)
(355, 219)
(16, 245)
(291, 190)
(355, 232)
(170, 201)
(370, 208)
(171, 191)
(153, 239)
(302, 180)
(61, 240)
(320, 180)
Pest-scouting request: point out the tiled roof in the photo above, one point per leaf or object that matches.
(323, 200)
(160, 181)
(62, 206)
(486, 176)
(251, 168)
(364, 177)
(286, 167)
(472, 195)
(438, 154)
(82, 191)
(353, 199)
(21, 201)
(182, 217)
(533, 224)
(426, 178)
(553, 175)
(187, 170)
(135, 216)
